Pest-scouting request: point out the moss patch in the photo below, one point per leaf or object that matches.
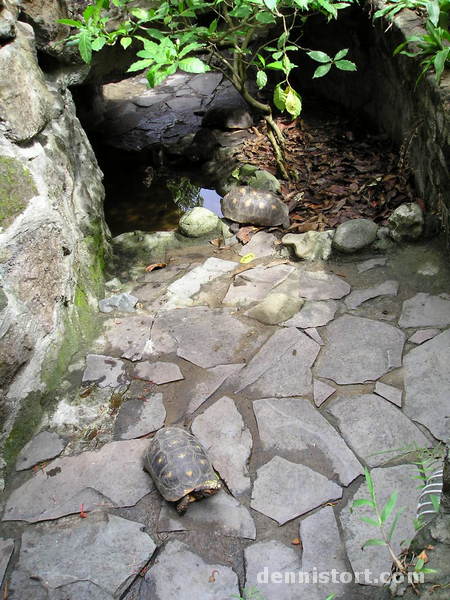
(25, 424)
(17, 187)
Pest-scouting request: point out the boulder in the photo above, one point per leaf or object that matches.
(312, 245)
(198, 222)
(354, 235)
(406, 222)
(258, 178)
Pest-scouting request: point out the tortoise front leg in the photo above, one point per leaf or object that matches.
(183, 504)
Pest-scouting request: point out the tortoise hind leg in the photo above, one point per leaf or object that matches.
(183, 504)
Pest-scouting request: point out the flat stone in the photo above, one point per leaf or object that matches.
(198, 222)
(127, 337)
(264, 559)
(313, 314)
(182, 290)
(220, 513)
(262, 244)
(180, 574)
(104, 549)
(359, 350)
(314, 335)
(90, 478)
(357, 297)
(427, 384)
(158, 372)
(371, 426)
(221, 429)
(282, 367)
(312, 245)
(292, 425)
(423, 335)
(275, 308)
(6, 550)
(147, 100)
(138, 417)
(44, 446)
(205, 83)
(356, 532)
(425, 310)
(122, 302)
(319, 285)
(366, 265)
(284, 490)
(321, 391)
(212, 380)
(389, 392)
(354, 235)
(254, 285)
(104, 371)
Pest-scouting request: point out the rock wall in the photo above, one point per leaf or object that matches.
(53, 237)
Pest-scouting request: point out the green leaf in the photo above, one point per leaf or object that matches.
(434, 11)
(363, 502)
(261, 79)
(70, 22)
(279, 97)
(436, 501)
(394, 524)
(193, 65)
(370, 521)
(322, 70)
(369, 483)
(125, 42)
(293, 103)
(304, 4)
(374, 542)
(89, 11)
(439, 62)
(319, 56)
(389, 507)
(85, 46)
(213, 26)
(345, 65)
(265, 17)
(190, 48)
(98, 43)
(419, 564)
(156, 75)
(341, 54)
(140, 65)
(271, 4)
(428, 570)
(277, 66)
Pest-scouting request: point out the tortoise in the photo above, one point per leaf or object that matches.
(246, 204)
(180, 468)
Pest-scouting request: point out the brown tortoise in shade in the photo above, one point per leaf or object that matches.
(245, 204)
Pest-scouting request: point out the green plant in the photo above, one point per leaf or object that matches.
(246, 40)
(249, 594)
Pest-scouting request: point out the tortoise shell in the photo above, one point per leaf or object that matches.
(245, 204)
(178, 465)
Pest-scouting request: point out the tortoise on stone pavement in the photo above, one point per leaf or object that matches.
(180, 468)
(245, 204)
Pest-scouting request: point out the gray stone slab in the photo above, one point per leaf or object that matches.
(313, 314)
(254, 285)
(320, 285)
(138, 417)
(158, 372)
(366, 265)
(86, 479)
(127, 337)
(389, 392)
(359, 349)
(205, 83)
(262, 244)
(275, 308)
(104, 371)
(282, 367)
(6, 550)
(104, 549)
(222, 431)
(212, 380)
(314, 335)
(220, 513)
(370, 426)
(264, 561)
(357, 297)
(284, 490)
(180, 574)
(44, 446)
(423, 335)
(121, 302)
(80, 590)
(356, 532)
(425, 310)
(321, 391)
(293, 425)
(427, 384)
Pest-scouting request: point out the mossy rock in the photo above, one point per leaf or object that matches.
(17, 187)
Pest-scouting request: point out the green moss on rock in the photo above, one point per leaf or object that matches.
(17, 187)
(25, 424)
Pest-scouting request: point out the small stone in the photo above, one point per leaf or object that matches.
(319, 285)
(158, 372)
(284, 490)
(322, 391)
(222, 430)
(44, 446)
(313, 314)
(137, 417)
(423, 335)
(312, 245)
(389, 392)
(354, 235)
(180, 574)
(122, 302)
(357, 297)
(6, 550)
(406, 222)
(275, 308)
(425, 310)
(198, 222)
(262, 244)
(371, 263)
(104, 371)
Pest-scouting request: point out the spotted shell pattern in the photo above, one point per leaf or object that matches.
(178, 463)
(245, 204)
